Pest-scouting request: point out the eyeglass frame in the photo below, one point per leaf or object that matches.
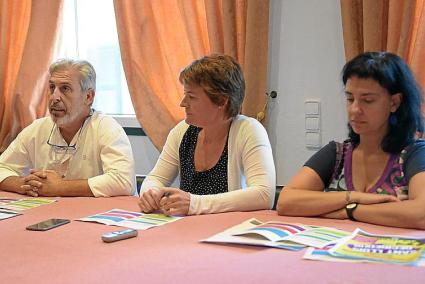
(67, 147)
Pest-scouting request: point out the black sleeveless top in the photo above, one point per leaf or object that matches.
(211, 181)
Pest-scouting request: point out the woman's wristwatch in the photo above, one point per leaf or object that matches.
(349, 208)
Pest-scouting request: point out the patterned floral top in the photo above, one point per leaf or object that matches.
(392, 182)
(333, 163)
(211, 181)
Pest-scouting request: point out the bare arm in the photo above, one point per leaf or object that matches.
(50, 183)
(304, 196)
(12, 184)
(71, 188)
(66, 188)
(45, 183)
(406, 214)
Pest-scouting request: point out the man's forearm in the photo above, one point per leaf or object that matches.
(74, 188)
(12, 184)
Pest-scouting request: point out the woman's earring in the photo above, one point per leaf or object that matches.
(393, 119)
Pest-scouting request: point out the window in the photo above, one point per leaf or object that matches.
(90, 33)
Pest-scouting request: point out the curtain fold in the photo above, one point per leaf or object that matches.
(379, 25)
(28, 32)
(416, 54)
(154, 51)
(352, 24)
(397, 26)
(14, 22)
(256, 57)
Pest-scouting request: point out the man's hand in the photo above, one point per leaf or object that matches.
(42, 183)
(174, 201)
(32, 183)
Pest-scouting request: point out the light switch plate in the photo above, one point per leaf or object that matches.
(312, 107)
(313, 140)
(312, 123)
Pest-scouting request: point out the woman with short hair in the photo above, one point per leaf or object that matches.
(224, 159)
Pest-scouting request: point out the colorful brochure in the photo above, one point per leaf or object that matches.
(278, 235)
(5, 200)
(368, 247)
(128, 219)
(324, 254)
(5, 214)
(24, 204)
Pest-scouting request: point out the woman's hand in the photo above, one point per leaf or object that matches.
(371, 198)
(338, 214)
(174, 201)
(360, 198)
(149, 200)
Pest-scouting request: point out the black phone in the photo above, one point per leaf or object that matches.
(48, 224)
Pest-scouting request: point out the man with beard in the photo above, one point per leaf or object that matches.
(76, 151)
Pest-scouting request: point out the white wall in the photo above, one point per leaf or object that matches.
(145, 154)
(306, 54)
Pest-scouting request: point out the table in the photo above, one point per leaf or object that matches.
(74, 253)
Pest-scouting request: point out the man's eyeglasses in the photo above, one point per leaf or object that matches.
(66, 148)
(62, 148)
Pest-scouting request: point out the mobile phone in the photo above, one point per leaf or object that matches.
(119, 235)
(48, 224)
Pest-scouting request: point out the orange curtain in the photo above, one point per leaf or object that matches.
(396, 26)
(416, 57)
(27, 38)
(14, 22)
(159, 38)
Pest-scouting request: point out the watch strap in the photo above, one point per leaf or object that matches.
(349, 208)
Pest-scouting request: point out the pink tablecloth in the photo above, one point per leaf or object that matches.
(74, 253)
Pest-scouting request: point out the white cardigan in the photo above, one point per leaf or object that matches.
(250, 169)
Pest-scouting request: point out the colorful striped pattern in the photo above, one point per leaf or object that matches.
(26, 203)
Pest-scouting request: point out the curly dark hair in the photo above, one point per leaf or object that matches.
(393, 74)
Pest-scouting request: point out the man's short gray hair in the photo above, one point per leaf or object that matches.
(86, 70)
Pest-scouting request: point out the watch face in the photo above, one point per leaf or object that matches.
(351, 205)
